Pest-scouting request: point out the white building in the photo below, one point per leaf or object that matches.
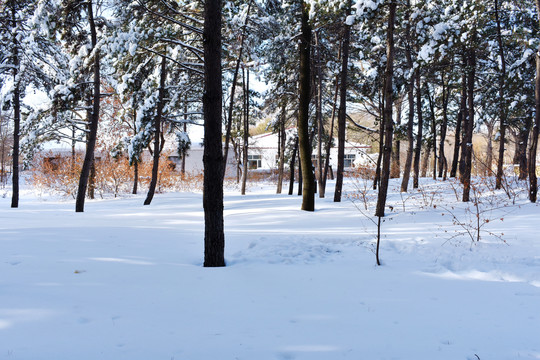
(263, 154)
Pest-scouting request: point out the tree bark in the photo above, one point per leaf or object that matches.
(418, 147)
(94, 119)
(319, 119)
(522, 143)
(16, 112)
(471, 70)
(342, 111)
(282, 141)
(388, 121)
(502, 102)
(308, 193)
(246, 132)
(443, 165)
(457, 142)
(433, 134)
(410, 98)
(425, 161)
(135, 177)
(157, 132)
(291, 166)
(465, 118)
(395, 165)
(214, 238)
(533, 182)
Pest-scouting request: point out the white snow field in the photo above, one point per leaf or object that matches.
(125, 281)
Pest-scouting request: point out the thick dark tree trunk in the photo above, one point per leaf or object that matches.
(471, 70)
(291, 166)
(157, 132)
(418, 147)
(16, 112)
(308, 193)
(388, 121)
(214, 238)
(94, 118)
(503, 111)
(342, 112)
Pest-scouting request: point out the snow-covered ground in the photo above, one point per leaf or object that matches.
(125, 281)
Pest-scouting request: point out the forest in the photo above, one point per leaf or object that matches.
(424, 246)
(122, 76)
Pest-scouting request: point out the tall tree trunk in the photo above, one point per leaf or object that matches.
(282, 138)
(502, 102)
(319, 119)
(308, 200)
(457, 141)
(395, 166)
(410, 98)
(377, 179)
(466, 119)
(533, 182)
(425, 161)
(300, 177)
(458, 161)
(157, 132)
(214, 238)
(184, 148)
(471, 71)
(135, 177)
(16, 111)
(291, 166)
(433, 134)
(387, 115)
(418, 147)
(488, 171)
(92, 180)
(522, 143)
(342, 112)
(233, 90)
(331, 136)
(246, 131)
(94, 119)
(444, 127)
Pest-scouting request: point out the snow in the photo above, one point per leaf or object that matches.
(125, 281)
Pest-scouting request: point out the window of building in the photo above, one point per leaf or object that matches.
(254, 161)
(348, 160)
